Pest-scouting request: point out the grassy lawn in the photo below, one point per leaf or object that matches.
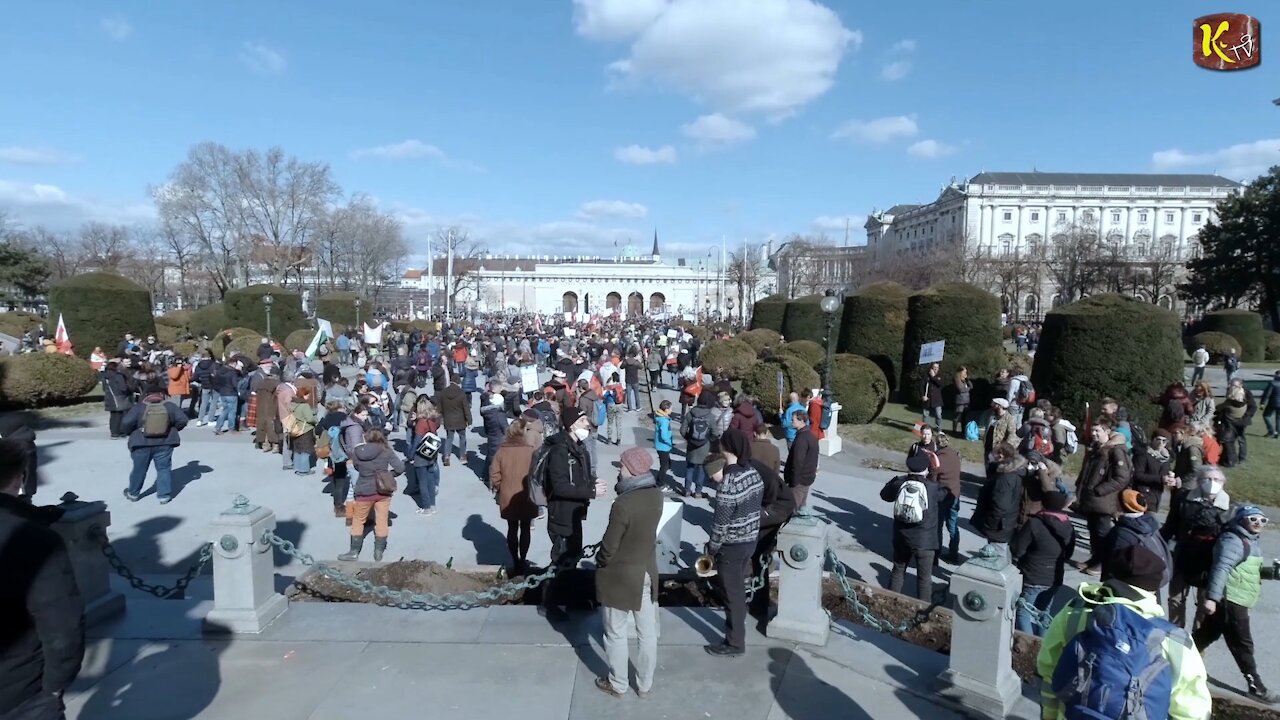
(1255, 481)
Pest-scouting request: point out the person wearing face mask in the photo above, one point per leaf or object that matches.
(1196, 518)
(572, 485)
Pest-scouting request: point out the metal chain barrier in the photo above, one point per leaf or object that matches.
(408, 600)
(868, 618)
(759, 582)
(160, 591)
(1038, 616)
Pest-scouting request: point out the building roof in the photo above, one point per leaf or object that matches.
(655, 243)
(412, 274)
(899, 209)
(1118, 179)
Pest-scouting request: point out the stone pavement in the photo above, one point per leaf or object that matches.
(159, 542)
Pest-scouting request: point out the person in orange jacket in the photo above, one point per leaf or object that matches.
(179, 382)
(814, 406)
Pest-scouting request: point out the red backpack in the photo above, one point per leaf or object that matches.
(1038, 440)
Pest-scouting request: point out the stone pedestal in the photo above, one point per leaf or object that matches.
(981, 678)
(802, 543)
(244, 595)
(668, 548)
(83, 527)
(832, 443)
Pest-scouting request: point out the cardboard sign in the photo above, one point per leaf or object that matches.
(528, 378)
(781, 380)
(932, 352)
(672, 333)
(570, 332)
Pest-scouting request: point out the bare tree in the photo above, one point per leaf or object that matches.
(147, 262)
(1160, 271)
(1072, 261)
(1012, 277)
(281, 198)
(65, 253)
(359, 247)
(202, 200)
(798, 265)
(106, 247)
(745, 269)
(456, 241)
(183, 249)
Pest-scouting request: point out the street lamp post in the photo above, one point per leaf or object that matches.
(357, 314)
(266, 303)
(830, 303)
(706, 316)
(728, 303)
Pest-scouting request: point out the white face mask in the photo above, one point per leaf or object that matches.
(580, 434)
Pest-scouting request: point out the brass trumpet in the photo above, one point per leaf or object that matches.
(704, 566)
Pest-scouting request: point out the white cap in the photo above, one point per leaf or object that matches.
(1001, 402)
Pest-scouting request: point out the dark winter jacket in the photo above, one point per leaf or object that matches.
(949, 469)
(802, 461)
(495, 425)
(778, 503)
(933, 391)
(924, 534)
(367, 460)
(626, 550)
(131, 425)
(224, 381)
(41, 611)
(744, 419)
(1136, 530)
(454, 408)
(572, 486)
(1148, 477)
(117, 396)
(1106, 471)
(1042, 547)
(996, 514)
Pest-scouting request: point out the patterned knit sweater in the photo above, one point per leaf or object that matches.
(737, 507)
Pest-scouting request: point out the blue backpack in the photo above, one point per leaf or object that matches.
(1115, 666)
(971, 431)
(600, 413)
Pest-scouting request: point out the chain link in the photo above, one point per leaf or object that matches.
(761, 581)
(1038, 616)
(868, 618)
(160, 591)
(408, 600)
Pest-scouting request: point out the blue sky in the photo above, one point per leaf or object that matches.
(562, 126)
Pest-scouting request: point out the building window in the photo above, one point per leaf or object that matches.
(1008, 216)
(1141, 249)
(1142, 216)
(1005, 247)
(1168, 217)
(1035, 217)
(1195, 217)
(1115, 216)
(1087, 216)
(1062, 217)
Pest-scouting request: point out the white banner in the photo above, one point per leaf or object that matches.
(528, 378)
(372, 335)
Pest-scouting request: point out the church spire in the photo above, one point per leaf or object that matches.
(655, 245)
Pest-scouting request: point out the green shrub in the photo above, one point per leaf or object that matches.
(40, 379)
(1272, 339)
(1108, 345)
(1018, 363)
(968, 319)
(99, 308)
(736, 357)
(872, 325)
(18, 323)
(1216, 343)
(167, 334)
(246, 345)
(760, 338)
(245, 308)
(1242, 325)
(762, 381)
(810, 352)
(340, 307)
(859, 385)
(298, 339)
(804, 320)
(174, 319)
(208, 320)
(702, 333)
(767, 313)
(185, 348)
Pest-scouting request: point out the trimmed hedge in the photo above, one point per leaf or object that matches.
(860, 386)
(1108, 345)
(1217, 343)
(810, 352)
(339, 307)
(736, 357)
(244, 308)
(804, 320)
(1272, 339)
(968, 319)
(1018, 363)
(768, 313)
(1242, 325)
(38, 379)
(760, 338)
(873, 323)
(298, 339)
(762, 381)
(99, 308)
(174, 319)
(18, 323)
(208, 320)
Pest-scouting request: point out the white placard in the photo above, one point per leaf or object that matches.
(932, 352)
(672, 333)
(528, 378)
(570, 332)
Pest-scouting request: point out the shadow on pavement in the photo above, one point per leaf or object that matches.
(177, 683)
(490, 544)
(802, 696)
(188, 473)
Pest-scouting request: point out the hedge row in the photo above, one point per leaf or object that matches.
(1242, 325)
(99, 308)
(340, 307)
(39, 379)
(244, 307)
(762, 381)
(761, 338)
(768, 313)
(968, 319)
(1272, 339)
(1217, 344)
(873, 324)
(736, 358)
(804, 320)
(860, 386)
(809, 352)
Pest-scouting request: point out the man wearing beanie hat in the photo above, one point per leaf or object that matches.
(1196, 517)
(914, 540)
(1041, 548)
(627, 574)
(1235, 582)
(571, 486)
(1080, 632)
(735, 529)
(1135, 526)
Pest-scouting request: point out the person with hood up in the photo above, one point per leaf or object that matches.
(1105, 472)
(663, 441)
(1041, 548)
(696, 431)
(369, 459)
(1135, 526)
(1153, 469)
(995, 516)
(494, 416)
(744, 416)
(914, 541)
(721, 418)
(1235, 583)
(1137, 573)
(735, 530)
(572, 485)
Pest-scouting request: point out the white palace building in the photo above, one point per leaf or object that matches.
(633, 283)
(1001, 213)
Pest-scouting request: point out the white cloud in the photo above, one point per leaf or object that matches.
(55, 208)
(716, 130)
(878, 131)
(930, 149)
(116, 27)
(597, 209)
(895, 70)
(34, 156)
(903, 46)
(641, 155)
(262, 59)
(765, 56)
(1244, 161)
(407, 150)
(835, 225)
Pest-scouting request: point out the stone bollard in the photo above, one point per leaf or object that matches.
(832, 443)
(83, 527)
(669, 537)
(802, 542)
(981, 679)
(244, 595)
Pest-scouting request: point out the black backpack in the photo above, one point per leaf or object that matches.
(1194, 553)
(535, 483)
(699, 430)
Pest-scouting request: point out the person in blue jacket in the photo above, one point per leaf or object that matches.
(663, 441)
(787, 427)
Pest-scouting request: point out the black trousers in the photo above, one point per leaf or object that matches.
(566, 551)
(923, 560)
(113, 422)
(1099, 525)
(664, 467)
(341, 484)
(760, 603)
(733, 562)
(41, 707)
(1231, 620)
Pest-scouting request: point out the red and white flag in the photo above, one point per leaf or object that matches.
(61, 339)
